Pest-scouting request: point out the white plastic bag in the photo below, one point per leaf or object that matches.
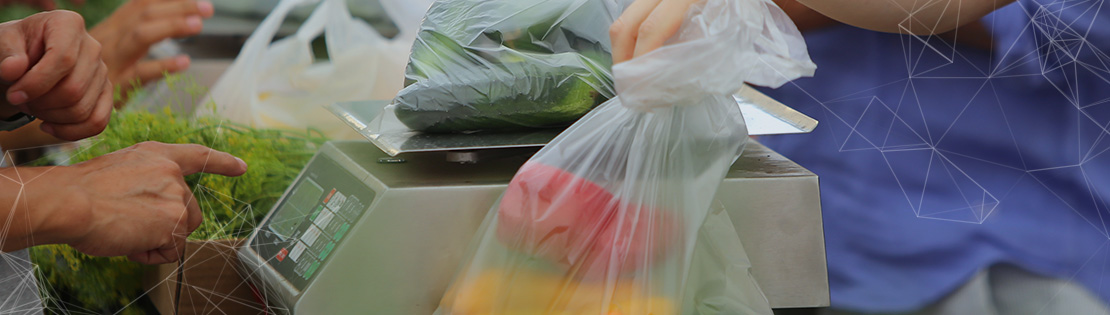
(613, 216)
(280, 84)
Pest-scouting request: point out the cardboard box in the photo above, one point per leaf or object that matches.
(212, 283)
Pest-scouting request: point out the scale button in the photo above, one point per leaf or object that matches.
(319, 246)
(302, 267)
(324, 218)
(311, 270)
(332, 193)
(311, 235)
(352, 209)
(336, 201)
(342, 230)
(316, 212)
(281, 254)
(297, 251)
(327, 251)
(332, 228)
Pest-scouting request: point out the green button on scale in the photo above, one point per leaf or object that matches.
(342, 230)
(327, 251)
(311, 270)
(316, 213)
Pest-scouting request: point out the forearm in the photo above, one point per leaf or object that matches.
(30, 206)
(922, 17)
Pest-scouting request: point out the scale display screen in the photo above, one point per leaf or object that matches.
(292, 214)
(311, 221)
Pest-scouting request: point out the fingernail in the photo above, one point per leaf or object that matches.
(205, 8)
(241, 162)
(17, 97)
(193, 22)
(182, 62)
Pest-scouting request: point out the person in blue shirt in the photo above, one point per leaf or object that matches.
(963, 173)
(957, 178)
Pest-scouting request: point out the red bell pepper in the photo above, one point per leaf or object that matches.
(553, 214)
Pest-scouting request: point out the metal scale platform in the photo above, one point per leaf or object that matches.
(380, 227)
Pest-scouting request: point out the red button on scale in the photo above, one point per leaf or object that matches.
(332, 193)
(281, 254)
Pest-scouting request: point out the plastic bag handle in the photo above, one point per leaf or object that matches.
(259, 40)
(345, 32)
(404, 13)
(314, 25)
(247, 62)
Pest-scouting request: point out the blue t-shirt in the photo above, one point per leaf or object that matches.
(938, 160)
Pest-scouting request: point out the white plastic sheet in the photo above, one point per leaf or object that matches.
(280, 84)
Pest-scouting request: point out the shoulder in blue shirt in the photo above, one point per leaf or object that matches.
(937, 160)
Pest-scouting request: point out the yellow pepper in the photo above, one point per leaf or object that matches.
(527, 292)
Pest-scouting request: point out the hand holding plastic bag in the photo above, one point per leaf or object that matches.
(608, 216)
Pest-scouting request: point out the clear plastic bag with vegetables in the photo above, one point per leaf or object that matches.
(507, 64)
(616, 215)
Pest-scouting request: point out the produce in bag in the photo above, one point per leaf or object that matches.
(616, 215)
(537, 292)
(498, 65)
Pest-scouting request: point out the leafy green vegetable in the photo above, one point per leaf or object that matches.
(558, 93)
(502, 65)
(231, 206)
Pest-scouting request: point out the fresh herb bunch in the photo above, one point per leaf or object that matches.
(232, 206)
(93, 11)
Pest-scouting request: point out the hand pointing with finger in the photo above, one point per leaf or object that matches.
(133, 202)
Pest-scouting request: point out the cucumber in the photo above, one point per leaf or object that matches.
(434, 54)
(517, 95)
(505, 64)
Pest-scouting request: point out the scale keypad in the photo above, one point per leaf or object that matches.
(323, 224)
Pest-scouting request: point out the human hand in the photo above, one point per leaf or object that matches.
(974, 35)
(137, 25)
(51, 68)
(645, 26)
(135, 202)
(804, 18)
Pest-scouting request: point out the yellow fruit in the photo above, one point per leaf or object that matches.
(526, 292)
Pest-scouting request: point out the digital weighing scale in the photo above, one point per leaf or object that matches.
(380, 227)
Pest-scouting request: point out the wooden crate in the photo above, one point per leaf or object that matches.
(212, 283)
